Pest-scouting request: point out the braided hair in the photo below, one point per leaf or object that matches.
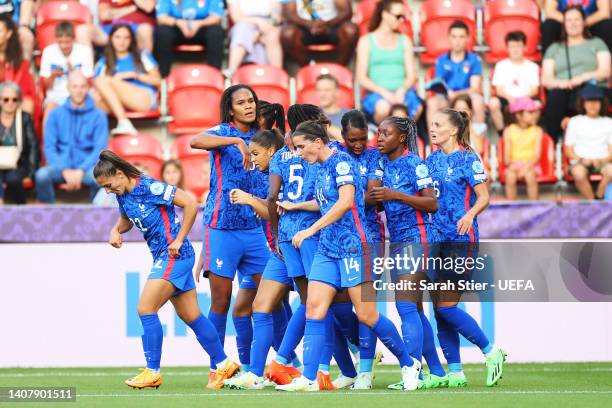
(407, 127)
(460, 121)
(302, 112)
(353, 119)
(273, 115)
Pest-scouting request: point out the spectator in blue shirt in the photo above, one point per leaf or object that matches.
(189, 22)
(75, 134)
(461, 73)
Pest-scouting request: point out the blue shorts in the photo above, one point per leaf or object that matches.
(411, 100)
(228, 251)
(277, 271)
(178, 272)
(459, 252)
(246, 282)
(340, 273)
(299, 261)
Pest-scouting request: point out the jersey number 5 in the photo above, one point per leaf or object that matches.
(293, 177)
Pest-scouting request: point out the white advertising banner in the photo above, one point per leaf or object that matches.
(74, 305)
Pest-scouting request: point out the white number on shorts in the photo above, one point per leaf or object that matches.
(352, 264)
(295, 178)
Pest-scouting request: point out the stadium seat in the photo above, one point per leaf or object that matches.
(51, 13)
(547, 161)
(306, 79)
(504, 16)
(365, 10)
(270, 83)
(140, 150)
(194, 93)
(436, 17)
(195, 163)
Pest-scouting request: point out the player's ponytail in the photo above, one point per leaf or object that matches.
(461, 121)
(312, 130)
(273, 115)
(302, 112)
(108, 164)
(406, 126)
(269, 138)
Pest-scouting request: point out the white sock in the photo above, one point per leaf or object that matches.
(222, 364)
(492, 351)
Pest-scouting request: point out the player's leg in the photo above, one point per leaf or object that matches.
(241, 316)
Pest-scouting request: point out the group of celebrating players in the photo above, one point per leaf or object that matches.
(296, 211)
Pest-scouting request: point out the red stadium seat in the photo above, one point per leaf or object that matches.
(195, 163)
(140, 150)
(568, 177)
(504, 16)
(51, 13)
(436, 18)
(547, 161)
(270, 83)
(194, 93)
(365, 11)
(306, 80)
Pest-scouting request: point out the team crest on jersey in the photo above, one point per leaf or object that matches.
(363, 170)
(157, 188)
(381, 163)
(343, 168)
(142, 207)
(478, 167)
(421, 171)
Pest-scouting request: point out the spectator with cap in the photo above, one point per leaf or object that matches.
(588, 142)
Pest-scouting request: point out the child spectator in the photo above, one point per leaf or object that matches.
(172, 174)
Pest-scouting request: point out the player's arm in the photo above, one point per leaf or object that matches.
(206, 141)
(276, 183)
(482, 202)
(369, 199)
(344, 204)
(425, 201)
(259, 205)
(122, 226)
(190, 211)
(303, 206)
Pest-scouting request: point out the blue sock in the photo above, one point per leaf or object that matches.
(449, 342)
(208, 339)
(220, 323)
(263, 335)
(367, 348)
(342, 354)
(349, 325)
(152, 340)
(465, 325)
(244, 338)
(314, 341)
(429, 348)
(328, 348)
(388, 334)
(293, 335)
(412, 328)
(281, 319)
(287, 308)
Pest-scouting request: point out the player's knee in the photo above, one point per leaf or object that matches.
(145, 309)
(220, 305)
(367, 317)
(315, 311)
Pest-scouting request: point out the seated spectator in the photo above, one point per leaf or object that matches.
(189, 22)
(316, 22)
(461, 73)
(327, 91)
(16, 68)
(464, 103)
(385, 64)
(75, 134)
(172, 174)
(514, 77)
(255, 35)
(139, 14)
(91, 34)
(597, 14)
(523, 148)
(568, 66)
(126, 79)
(588, 142)
(21, 12)
(58, 60)
(18, 141)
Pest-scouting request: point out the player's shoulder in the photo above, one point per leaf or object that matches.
(434, 157)
(222, 129)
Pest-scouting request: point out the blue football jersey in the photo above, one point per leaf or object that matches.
(346, 237)
(407, 174)
(298, 187)
(260, 184)
(226, 174)
(149, 206)
(369, 164)
(454, 177)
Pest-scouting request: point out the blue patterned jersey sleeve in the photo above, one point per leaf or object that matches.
(160, 193)
(375, 166)
(422, 179)
(343, 172)
(474, 170)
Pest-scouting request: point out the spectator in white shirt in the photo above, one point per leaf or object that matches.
(514, 77)
(588, 142)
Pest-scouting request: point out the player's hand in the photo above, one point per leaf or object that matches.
(174, 248)
(238, 196)
(287, 205)
(115, 238)
(301, 236)
(199, 268)
(381, 194)
(244, 152)
(465, 224)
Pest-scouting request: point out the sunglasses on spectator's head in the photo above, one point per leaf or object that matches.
(5, 100)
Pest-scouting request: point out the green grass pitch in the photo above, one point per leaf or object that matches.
(524, 385)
